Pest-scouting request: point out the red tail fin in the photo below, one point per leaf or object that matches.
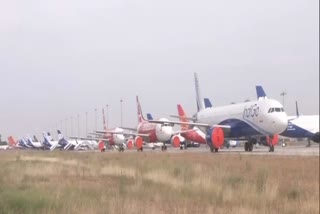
(104, 120)
(183, 117)
(140, 116)
(11, 141)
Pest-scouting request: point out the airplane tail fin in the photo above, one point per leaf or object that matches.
(260, 93)
(297, 109)
(35, 139)
(200, 105)
(207, 103)
(60, 135)
(140, 115)
(183, 118)
(47, 139)
(11, 141)
(104, 120)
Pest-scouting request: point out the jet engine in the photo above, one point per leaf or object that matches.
(316, 138)
(130, 143)
(175, 141)
(215, 138)
(138, 141)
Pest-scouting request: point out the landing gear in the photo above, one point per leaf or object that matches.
(215, 150)
(181, 147)
(140, 149)
(309, 143)
(121, 149)
(271, 148)
(248, 146)
(164, 148)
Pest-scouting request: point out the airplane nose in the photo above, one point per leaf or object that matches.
(283, 124)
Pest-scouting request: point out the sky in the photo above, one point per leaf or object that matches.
(62, 58)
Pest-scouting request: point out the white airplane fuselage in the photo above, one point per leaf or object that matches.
(303, 126)
(247, 119)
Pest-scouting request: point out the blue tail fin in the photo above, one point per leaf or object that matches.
(61, 140)
(47, 140)
(260, 92)
(207, 103)
(149, 116)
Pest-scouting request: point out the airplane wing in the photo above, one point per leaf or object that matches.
(189, 123)
(181, 117)
(123, 133)
(89, 138)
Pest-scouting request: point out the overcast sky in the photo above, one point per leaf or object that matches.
(61, 58)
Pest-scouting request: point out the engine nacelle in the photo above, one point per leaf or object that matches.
(273, 140)
(175, 141)
(316, 138)
(130, 143)
(215, 137)
(138, 141)
(101, 146)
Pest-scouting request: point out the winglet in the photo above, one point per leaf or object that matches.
(260, 93)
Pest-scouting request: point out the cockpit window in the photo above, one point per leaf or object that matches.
(275, 110)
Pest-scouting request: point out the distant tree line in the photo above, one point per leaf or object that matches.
(2, 142)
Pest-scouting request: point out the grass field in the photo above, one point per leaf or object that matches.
(72, 182)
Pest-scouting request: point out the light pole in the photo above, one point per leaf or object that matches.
(78, 117)
(96, 123)
(121, 101)
(71, 118)
(283, 94)
(66, 126)
(107, 122)
(86, 124)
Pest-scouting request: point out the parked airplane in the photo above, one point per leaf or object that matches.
(76, 144)
(152, 133)
(15, 144)
(114, 137)
(190, 133)
(248, 120)
(34, 144)
(299, 126)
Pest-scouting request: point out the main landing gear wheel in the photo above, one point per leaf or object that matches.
(140, 149)
(181, 147)
(248, 147)
(164, 148)
(214, 150)
(271, 148)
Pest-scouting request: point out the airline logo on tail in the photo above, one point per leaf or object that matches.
(140, 116)
(183, 118)
(11, 142)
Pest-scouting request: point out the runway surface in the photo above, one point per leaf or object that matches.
(295, 149)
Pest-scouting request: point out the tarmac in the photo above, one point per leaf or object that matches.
(295, 149)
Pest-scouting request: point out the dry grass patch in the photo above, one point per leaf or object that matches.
(71, 182)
